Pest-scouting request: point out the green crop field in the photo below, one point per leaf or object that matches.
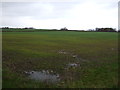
(94, 53)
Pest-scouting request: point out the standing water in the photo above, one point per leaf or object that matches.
(44, 76)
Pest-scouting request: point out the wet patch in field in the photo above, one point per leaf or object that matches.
(62, 52)
(73, 65)
(43, 76)
(113, 49)
(73, 55)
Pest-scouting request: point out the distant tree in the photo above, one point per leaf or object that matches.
(25, 28)
(64, 29)
(31, 28)
(5, 27)
(105, 30)
(90, 29)
(28, 28)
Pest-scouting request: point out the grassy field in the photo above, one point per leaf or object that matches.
(27, 51)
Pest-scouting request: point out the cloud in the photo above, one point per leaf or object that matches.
(25, 9)
(119, 15)
(92, 15)
(82, 14)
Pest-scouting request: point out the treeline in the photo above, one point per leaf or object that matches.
(105, 30)
(65, 29)
(18, 28)
(94, 30)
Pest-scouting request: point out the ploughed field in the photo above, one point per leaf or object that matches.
(64, 59)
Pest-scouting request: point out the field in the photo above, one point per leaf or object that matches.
(93, 57)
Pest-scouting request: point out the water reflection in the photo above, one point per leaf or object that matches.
(44, 76)
(72, 65)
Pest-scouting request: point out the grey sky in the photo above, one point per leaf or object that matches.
(78, 14)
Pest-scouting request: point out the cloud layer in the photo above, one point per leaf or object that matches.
(83, 14)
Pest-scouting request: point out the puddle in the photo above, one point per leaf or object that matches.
(68, 53)
(73, 65)
(62, 52)
(113, 49)
(44, 76)
(74, 56)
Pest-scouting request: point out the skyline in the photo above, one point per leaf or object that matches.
(75, 15)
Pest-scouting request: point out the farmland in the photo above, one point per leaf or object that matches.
(95, 55)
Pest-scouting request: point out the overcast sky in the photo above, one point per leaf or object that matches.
(77, 14)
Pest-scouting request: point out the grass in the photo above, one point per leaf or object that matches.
(24, 51)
